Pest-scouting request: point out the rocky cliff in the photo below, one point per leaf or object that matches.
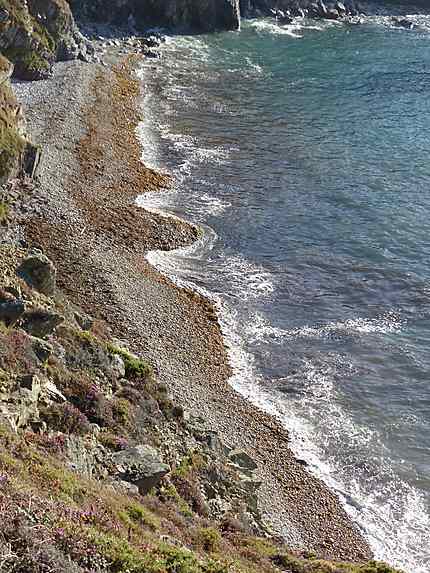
(36, 33)
(179, 15)
(33, 35)
(17, 154)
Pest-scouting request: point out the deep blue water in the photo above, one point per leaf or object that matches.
(305, 154)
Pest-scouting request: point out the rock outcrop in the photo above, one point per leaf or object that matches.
(331, 10)
(17, 154)
(140, 466)
(182, 15)
(36, 33)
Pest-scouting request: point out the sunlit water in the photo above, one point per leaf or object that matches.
(304, 152)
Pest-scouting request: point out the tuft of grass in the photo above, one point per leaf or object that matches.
(136, 514)
(208, 538)
(4, 212)
(135, 368)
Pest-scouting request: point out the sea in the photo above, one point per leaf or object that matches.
(303, 153)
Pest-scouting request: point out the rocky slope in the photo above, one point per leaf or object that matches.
(99, 469)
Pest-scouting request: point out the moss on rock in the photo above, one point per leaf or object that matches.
(12, 143)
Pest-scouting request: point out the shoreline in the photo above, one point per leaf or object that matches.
(95, 237)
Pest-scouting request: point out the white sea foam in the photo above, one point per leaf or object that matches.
(390, 322)
(269, 27)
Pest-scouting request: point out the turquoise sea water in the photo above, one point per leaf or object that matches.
(305, 154)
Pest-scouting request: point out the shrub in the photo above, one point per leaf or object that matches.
(66, 418)
(121, 411)
(113, 442)
(188, 490)
(142, 516)
(208, 538)
(4, 212)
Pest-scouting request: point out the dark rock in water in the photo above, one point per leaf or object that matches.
(41, 323)
(297, 11)
(141, 466)
(151, 41)
(341, 8)
(318, 9)
(282, 17)
(332, 14)
(402, 22)
(38, 272)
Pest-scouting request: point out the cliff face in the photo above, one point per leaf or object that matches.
(189, 15)
(17, 154)
(34, 34)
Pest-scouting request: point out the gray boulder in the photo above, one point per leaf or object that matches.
(141, 466)
(332, 14)
(243, 460)
(38, 272)
(21, 407)
(41, 323)
(41, 348)
(11, 311)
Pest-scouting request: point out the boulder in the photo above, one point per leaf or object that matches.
(41, 348)
(11, 311)
(85, 321)
(141, 466)
(31, 159)
(41, 323)
(332, 14)
(50, 393)
(118, 366)
(21, 407)
(38, 272)
(241, 459)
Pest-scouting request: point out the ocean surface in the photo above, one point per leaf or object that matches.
(304, 153)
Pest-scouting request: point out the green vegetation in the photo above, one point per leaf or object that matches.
(29, 63)
(4, 212)
(134, 367)
(209, 538)
(11, 145)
